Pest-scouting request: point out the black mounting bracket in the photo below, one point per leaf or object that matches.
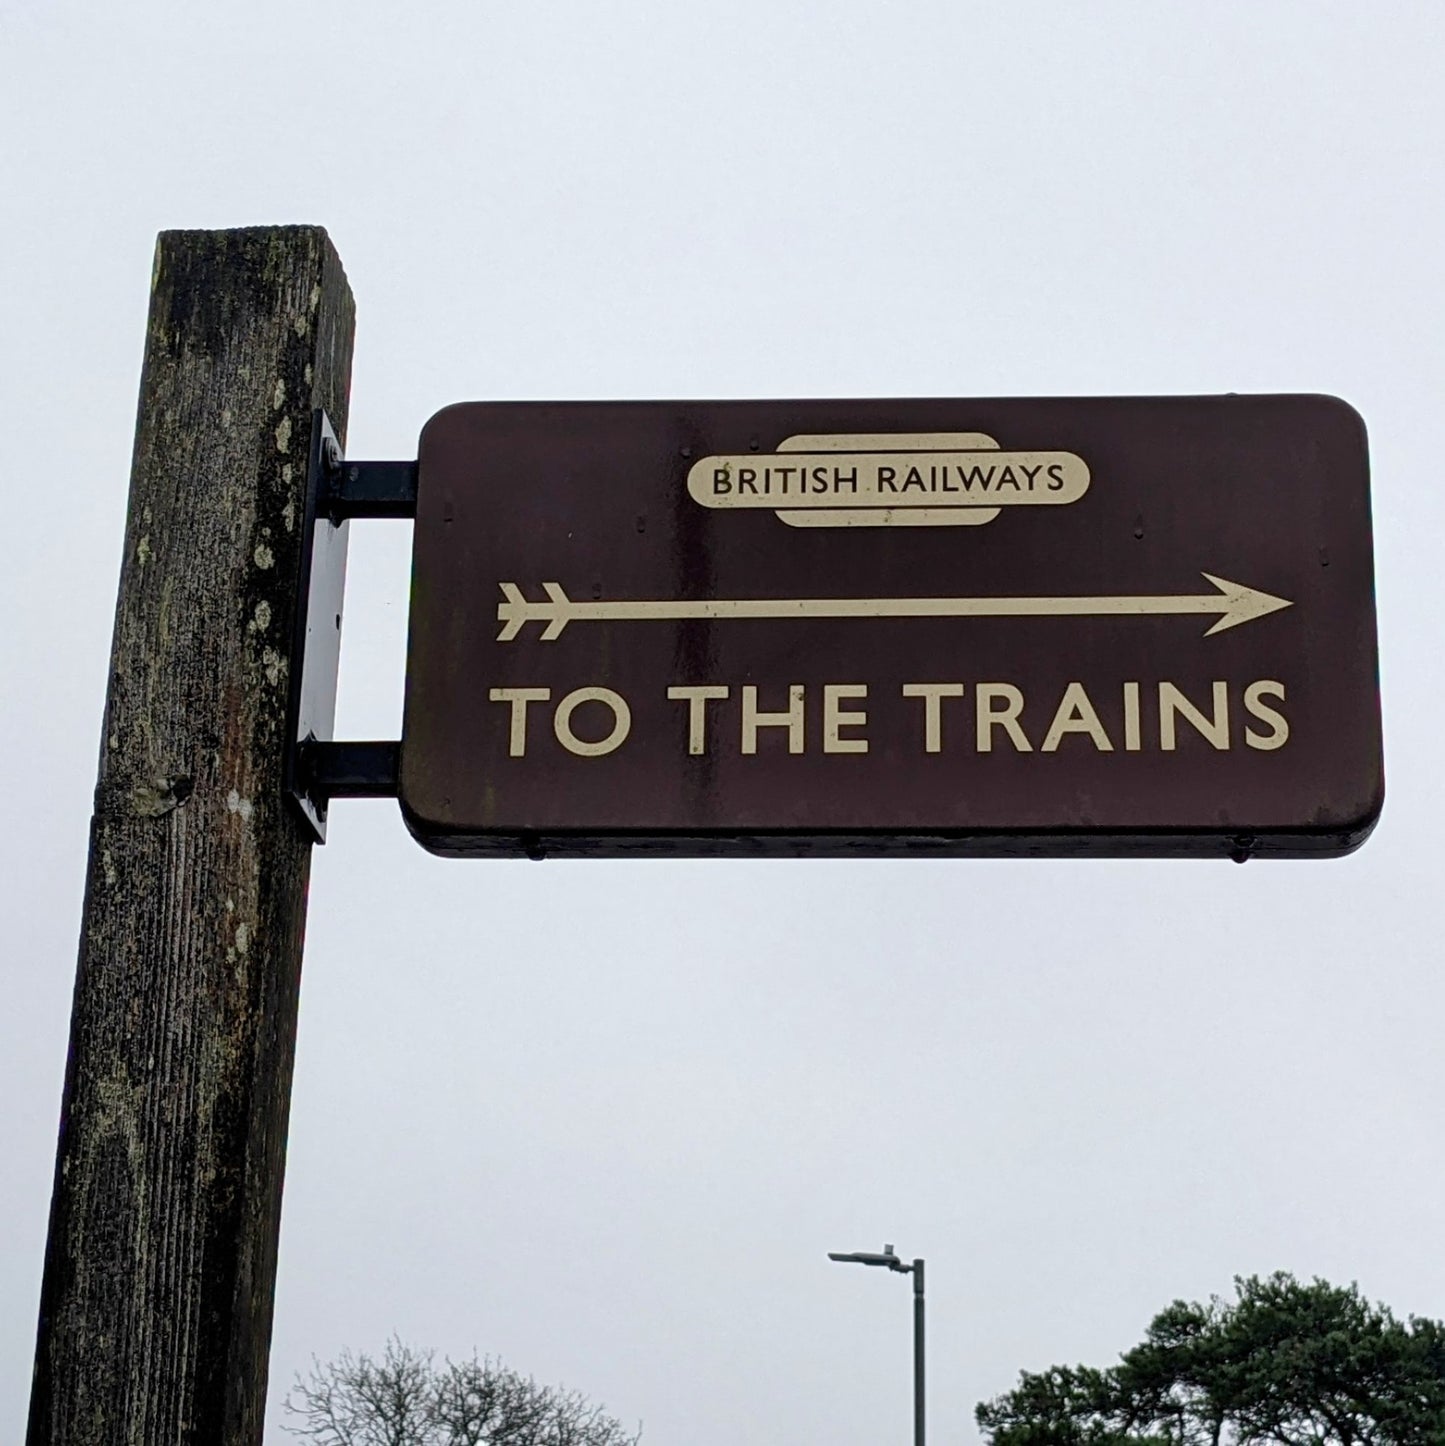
(316, 768)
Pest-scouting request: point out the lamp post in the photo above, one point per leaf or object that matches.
(892, 1261)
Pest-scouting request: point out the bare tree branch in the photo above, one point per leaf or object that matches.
(405, 1399)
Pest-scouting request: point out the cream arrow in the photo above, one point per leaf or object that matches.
(1233, 602)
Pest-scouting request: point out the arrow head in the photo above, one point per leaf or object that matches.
(1240, 604)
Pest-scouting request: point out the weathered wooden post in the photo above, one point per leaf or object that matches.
(155, 1315)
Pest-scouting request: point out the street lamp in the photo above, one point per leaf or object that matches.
(888, 1258)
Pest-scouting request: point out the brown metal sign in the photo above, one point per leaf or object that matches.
(1131, 626)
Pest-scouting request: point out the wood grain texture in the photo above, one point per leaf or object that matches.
(156, 1306)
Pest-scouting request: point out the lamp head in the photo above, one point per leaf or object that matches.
(867, 1257)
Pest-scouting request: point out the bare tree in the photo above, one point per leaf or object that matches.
(405, 1399)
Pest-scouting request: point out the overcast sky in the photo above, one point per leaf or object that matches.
(604, 1119)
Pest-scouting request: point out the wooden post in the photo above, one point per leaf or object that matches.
(155, 1312)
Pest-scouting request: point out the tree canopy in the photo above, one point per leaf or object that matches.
(1284, 1362)
(406, 1399)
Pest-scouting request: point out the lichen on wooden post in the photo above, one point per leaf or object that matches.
(155, 1314)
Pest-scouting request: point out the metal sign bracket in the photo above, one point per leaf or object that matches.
(317, 768)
